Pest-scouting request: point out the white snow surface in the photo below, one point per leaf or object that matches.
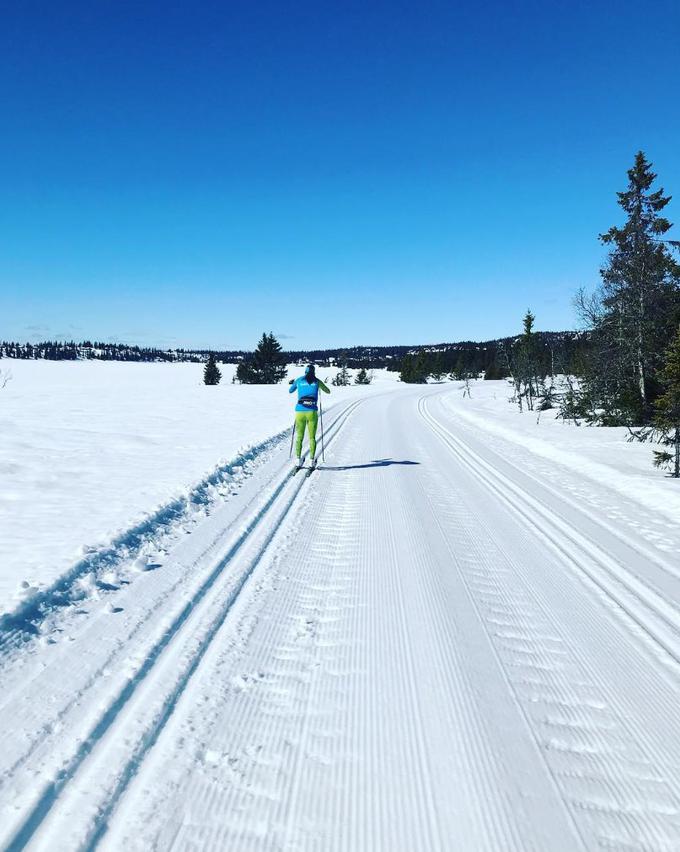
(461, 633)
(92, 448)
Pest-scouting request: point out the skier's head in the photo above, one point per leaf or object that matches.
(310, 374)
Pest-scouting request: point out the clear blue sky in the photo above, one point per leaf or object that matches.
(360, 172)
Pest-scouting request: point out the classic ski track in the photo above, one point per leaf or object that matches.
(647, 553)
(383, 736)
(109, 719)
(529, 729)
(651, 613)
(137, 636)
(289, 662)
(302, 683)
(23, 652)
(608, 784)
(22, 623)
(618, 772)
(574, 487)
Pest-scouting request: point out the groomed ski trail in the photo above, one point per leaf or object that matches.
(420, 648)
(150, 665)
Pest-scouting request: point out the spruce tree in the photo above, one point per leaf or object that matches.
(243, 372)
(528, 359)
(667, 411)
(267, 365)
(524, 364)
(211, 372)
(362, 378)
(406, 369)
(635, 311)
(341, 378)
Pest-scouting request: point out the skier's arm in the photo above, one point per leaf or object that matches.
(323, 386)
(293, 386)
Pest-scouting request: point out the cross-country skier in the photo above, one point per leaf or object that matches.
(306, 412)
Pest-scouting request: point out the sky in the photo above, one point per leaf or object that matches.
(195, 173)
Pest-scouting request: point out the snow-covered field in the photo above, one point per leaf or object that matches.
(461, 633)
(90, 449)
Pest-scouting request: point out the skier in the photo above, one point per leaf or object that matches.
(306, 412)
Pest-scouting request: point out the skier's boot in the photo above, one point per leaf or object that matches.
(313, 464)
(297, 466)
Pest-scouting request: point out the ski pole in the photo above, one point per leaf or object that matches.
(323, 457)
(292, 435)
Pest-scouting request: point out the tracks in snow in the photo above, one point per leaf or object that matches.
(598, 690)
(89, 783)
(161, 528)
(371, 716)
(437, 653)
(645, 607)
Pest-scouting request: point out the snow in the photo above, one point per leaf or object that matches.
(92, 448)
(463, 632)
(604, 455)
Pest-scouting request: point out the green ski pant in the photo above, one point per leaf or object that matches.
(305, 419)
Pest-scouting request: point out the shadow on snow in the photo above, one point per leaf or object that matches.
(374, 463)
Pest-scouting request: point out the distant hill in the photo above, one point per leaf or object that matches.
(478, 356)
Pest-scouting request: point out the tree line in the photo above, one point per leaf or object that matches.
(491, 360)
(476, 356)
(57, 350)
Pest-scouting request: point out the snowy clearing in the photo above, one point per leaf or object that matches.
(459, 633)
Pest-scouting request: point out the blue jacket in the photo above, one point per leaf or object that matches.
(308, 394)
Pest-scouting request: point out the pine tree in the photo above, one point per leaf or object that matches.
(342, 378)
(528, 359)
(267, 365)
(635, 311)
(243, 374)
(362, 378)
(406, 369)
(211, 372)
(524, 364)
(667, 411)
